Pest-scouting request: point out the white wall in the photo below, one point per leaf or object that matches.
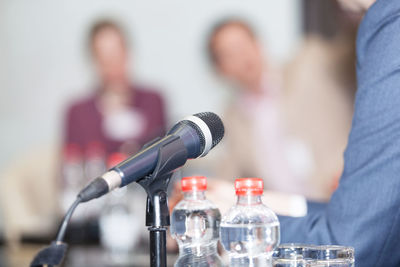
(43, 64)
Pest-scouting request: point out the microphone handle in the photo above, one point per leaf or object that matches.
(141, 164)
(137, 167)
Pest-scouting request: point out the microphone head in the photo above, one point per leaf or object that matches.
(215, 126)
(200, 133)
(209, 128)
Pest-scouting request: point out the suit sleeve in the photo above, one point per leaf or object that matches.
(364, 211)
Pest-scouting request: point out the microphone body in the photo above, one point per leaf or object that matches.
(199, 134)
(140, 165)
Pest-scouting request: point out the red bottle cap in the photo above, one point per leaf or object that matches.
(72, 153)
(95, 150)
(194, 183)
(115, 159)
(249, 186)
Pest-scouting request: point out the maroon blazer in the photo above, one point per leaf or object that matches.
(84, 122)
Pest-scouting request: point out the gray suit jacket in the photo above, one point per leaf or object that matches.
(364, 212)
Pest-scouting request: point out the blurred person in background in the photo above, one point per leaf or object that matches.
(120, 116)
(287, 125)
(258, 144)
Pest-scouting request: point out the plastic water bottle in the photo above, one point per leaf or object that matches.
(250, 230)
(95, 161)
(119, 226)
(95, 165)
(73, 180)
(195, 225)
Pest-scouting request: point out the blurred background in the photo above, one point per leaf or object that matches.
(84, 84)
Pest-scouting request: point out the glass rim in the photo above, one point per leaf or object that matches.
(337, 261)
(329, 252)
(290, 251)
(330, 247)
(295, 245)
(299, 251)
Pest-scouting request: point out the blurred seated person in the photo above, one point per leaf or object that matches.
(257, 144)
(119, 116)
(262, 120)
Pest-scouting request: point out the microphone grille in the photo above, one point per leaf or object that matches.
(215, 125)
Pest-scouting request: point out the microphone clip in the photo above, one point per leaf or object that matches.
(171, 155)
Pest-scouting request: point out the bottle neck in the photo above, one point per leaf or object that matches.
(194, 195)
(198, 249)
(259, 261)
(249, 200)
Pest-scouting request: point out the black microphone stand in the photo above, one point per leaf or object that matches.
(170, 156)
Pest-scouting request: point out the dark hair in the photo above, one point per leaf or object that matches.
(221, 25)
(102, 25)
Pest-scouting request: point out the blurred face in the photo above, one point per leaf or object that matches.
(110, 56)
(238, 56)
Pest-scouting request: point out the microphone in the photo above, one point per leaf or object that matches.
(199, 133)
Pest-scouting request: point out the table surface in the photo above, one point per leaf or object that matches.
(80, 256)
